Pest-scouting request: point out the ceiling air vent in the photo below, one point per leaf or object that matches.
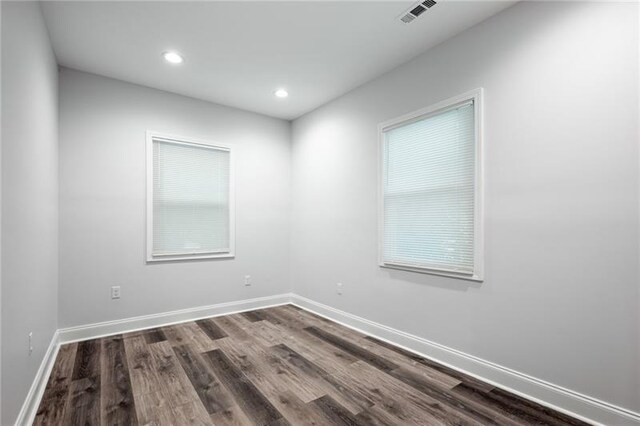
(416, 10)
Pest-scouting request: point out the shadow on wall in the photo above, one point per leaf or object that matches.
(447, 283)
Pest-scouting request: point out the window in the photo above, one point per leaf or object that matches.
(431, 190)
(189, 199)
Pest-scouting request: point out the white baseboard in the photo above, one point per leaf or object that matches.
(101, 329)
(557, 397)
(589, 409)
(30, 407)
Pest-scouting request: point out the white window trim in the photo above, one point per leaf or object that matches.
(475, 96)
(151, 135)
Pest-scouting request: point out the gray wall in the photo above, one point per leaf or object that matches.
(29, 199)
(102, 202)
(560, 298)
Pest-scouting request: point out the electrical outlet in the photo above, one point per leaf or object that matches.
(30, 342)
(247, 280)
(339, 288)
(115, 292)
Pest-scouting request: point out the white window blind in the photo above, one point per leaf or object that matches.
(429, 191)
(191, 211)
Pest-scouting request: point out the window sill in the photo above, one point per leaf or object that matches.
(448, 274)
(177, 258)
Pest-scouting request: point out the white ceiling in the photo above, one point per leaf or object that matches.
(238, 53)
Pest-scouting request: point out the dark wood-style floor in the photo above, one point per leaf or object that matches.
(275, 366)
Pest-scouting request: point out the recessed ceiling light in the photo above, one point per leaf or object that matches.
(172, 57)
(281, 93)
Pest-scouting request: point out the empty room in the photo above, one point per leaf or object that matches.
(320, 213)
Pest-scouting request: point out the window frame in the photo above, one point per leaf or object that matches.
(476, 96)
(152, 136)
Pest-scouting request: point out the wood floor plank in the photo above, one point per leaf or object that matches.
(476, 411)
(63, 366)
(361, 340)
(254, 316)
(265, 333)
(464, 378)
(191, 413)
(375, 416)
(256, 370)
(231, 328)
(87, 361)
(211, 329)
(531, 406)
(240, 319)
(309, 318)
(287, 318)
(141, 369)
(297, 374)
(353, 349)
(434, 376)
(196, 337)
(211, 392)
(56, 395)
(154, 335)
(175, 383)
(247, 396)
(175, 335)
(84, 402)
(270, 372)
(189, 333)
(299, 413)
(292, 332)
(399, 399)
(517, 408)
(153, 408)
(512, 411)
(353, 402)
(334, 413)
(118, 407)
(328, 356)
(232, 416)
(280, 422)
(269, 315)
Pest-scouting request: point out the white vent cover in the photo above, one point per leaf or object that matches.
(416, 10)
